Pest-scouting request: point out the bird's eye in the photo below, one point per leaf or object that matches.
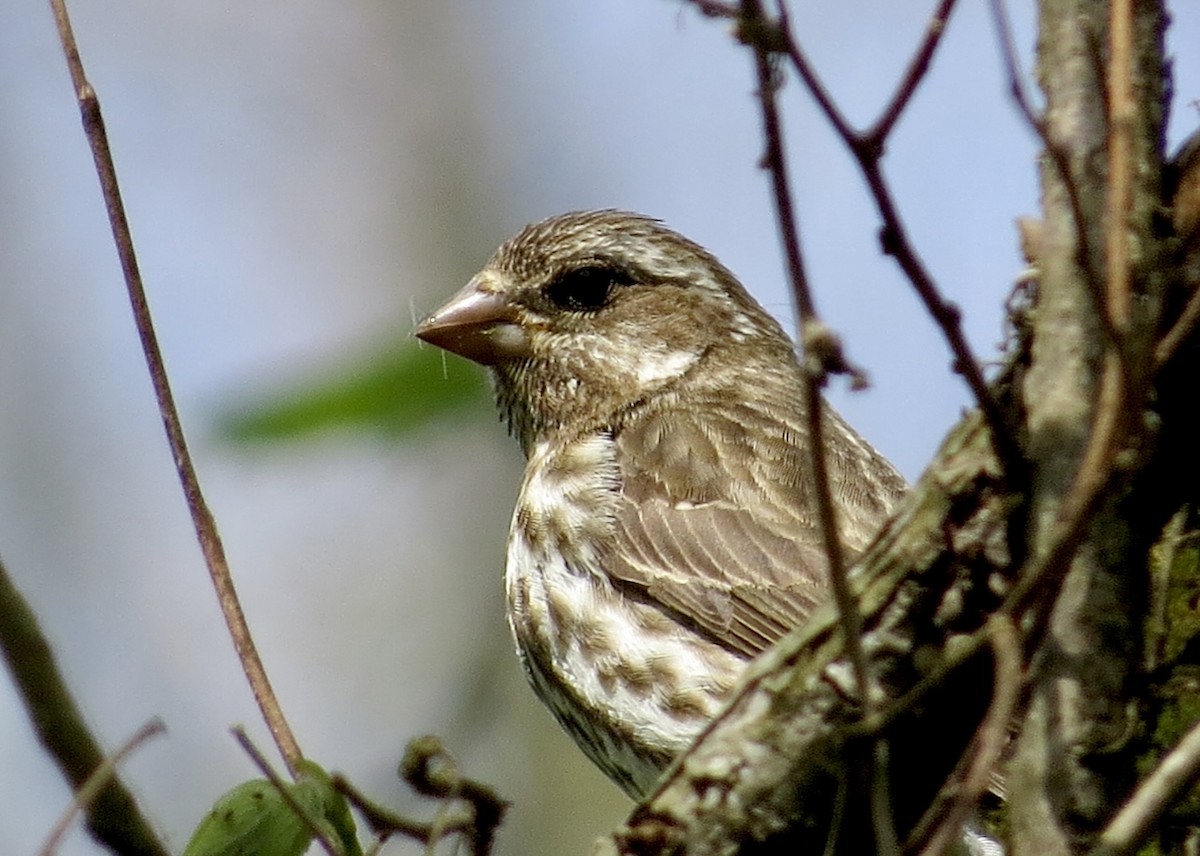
(584, 289)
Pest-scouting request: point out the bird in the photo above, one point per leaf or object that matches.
(666, 530)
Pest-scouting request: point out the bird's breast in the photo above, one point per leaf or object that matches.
(627, 681)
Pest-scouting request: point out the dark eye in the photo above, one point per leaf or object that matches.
(584, 289)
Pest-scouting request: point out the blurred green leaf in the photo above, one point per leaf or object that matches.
(315, 788)
(250, 820)
(253, 819)
(394, 392)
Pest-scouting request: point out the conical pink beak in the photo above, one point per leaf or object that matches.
(477, 323)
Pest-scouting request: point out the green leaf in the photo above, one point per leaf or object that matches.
(329, 805)
(253, 819)
(250, 820)
(394, 392)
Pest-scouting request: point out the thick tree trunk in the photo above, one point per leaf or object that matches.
(1072, 763)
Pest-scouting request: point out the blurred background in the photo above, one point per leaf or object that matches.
(304, 180)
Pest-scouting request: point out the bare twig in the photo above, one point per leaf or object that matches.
(811, 328)
(1016, 85)
(100, 778)
(918, 67)
(1178, 771)
(941, 825)
(716, 9)
(1179, 333)
(809, 323)
(428, 767)
(430, 771)
(113, 817)
(1062, 166)
(896, 243)
(202, 519)
(768, 36)
(814, 84)
(383, 822)
(285, 792)
(868, 149)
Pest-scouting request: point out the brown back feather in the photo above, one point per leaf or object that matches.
(716, 520)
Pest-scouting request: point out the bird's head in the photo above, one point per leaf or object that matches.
(587, 315)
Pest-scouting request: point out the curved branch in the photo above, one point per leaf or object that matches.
(868, 150)
(202, 518)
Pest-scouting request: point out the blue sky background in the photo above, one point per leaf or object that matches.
(304, 178)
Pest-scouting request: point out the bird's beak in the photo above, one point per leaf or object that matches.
(477, 323)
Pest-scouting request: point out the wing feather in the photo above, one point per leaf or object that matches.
(714, 521)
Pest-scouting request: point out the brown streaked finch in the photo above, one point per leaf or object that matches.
(666, 530)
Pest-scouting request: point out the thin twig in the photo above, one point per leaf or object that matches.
(383, 822)
(1062, 165)
(868, 151)
(716, 9)
(813, 375)
(918, 67)
(285, 791)
(113, 817)
(941, 826)
(1179, 333)
(87, 793)
(1008, 55)
(202, 519)
(469, 808)
(431, 771)
(851, 620)
(1043, 571)
(1174, 775)
(947, 316)
(816, 87)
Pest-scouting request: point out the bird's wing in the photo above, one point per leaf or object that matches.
(716, 522)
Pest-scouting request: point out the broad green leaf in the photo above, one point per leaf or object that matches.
(250, 820)
(394, 392)
(253, 819)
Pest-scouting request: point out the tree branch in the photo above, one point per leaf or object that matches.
(753, 24)
(918, 67)
(1178, 771)
(868, 149)
(768, 769)
(113, 817)
(90, 790)
(202, 518)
